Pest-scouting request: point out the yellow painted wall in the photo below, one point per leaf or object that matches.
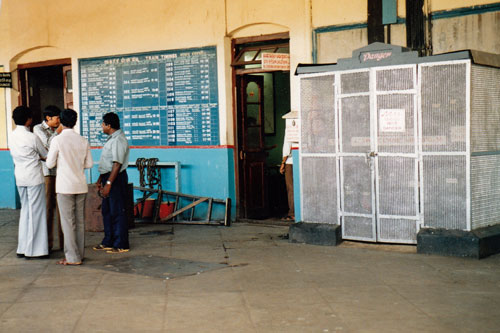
(467, 32)
(438, 5)
(39, 30)
(257, 17)
(91, 28)
(327, 12)
(340, 44)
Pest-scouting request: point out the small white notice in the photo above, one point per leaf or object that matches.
(392, 120)
(276, 61)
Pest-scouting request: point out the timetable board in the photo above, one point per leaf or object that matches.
(166, 98)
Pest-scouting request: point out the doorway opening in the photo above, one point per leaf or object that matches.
(262, 98)
(45, 83)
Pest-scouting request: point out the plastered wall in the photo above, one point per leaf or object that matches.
(456, 25)
(34, 31)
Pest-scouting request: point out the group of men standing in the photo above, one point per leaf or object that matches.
(48, 164)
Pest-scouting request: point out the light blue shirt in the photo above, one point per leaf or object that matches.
(46, 134)
(115, 150)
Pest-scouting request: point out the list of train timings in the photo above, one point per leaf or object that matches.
(163, 99)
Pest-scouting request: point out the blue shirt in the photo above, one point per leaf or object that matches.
(115, 150)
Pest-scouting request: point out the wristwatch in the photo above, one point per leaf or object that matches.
(108, 182)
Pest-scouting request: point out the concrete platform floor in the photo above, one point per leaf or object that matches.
(245, 278)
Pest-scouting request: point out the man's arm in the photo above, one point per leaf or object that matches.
(40, 133)
(89, 161)
(51, 161)
(114, 173)
(287, 149)
(40, 149)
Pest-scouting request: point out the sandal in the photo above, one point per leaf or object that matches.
(288, 218)
(65, 263)
(101, 247)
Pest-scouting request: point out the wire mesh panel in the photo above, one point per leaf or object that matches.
(396, 185)
(485, 190)
(485, 109)
(396, 123)
(319, 189)
(444, 106)
(444, 194)
(397, 230)
(485, 146)
(395, 79)
(358, 227)
(444, 115)
(317, 114)
(355, 124)
(356, 185)
(355, 82)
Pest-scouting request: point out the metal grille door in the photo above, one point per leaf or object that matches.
(396, 154)
(378, 154)
(355, 145)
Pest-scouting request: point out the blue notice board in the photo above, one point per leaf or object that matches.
(166, 98)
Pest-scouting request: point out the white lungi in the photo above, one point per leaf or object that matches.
(33, 237)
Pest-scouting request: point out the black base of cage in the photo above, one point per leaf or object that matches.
(315, 233)
(479, 243)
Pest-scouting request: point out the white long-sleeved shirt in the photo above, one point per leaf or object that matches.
(70, 152)
(26, 150)
(287, 149)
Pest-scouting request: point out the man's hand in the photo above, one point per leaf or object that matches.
(282, 168)
(105, 190)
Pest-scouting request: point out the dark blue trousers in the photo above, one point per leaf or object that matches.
(114, 216)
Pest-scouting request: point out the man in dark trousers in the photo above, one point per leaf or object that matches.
(112, 186)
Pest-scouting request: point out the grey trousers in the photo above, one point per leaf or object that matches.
(32, 238)
(71, 210)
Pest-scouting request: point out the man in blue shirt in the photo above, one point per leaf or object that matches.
(112, 186)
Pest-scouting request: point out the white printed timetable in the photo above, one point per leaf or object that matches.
(166, 98)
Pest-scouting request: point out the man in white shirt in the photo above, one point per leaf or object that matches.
(27, 151)
(46, 131)
(286, 168)
(70, 152)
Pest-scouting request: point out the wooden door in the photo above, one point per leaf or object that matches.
(252, 155)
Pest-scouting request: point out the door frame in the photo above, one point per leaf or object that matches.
(22, 70)
(236, 72)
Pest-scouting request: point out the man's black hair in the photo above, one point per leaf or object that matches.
(68, 118)
(51, 111)
(112, 120)
(21, 114)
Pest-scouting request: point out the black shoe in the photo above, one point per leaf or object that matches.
(35, 258)
(20, 255)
